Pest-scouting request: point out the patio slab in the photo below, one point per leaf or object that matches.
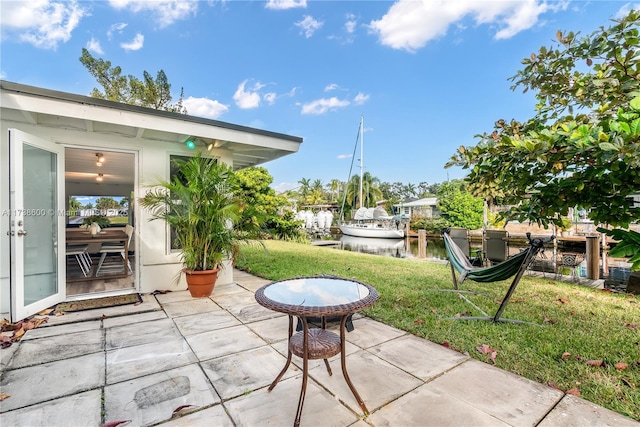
(153, 398)
(278, 407)
(57, 347)
(241, 373)
(501, 394)
(573, 411)
(85, 407)
(222, 342)
(48, 381)
(422, 358)
(140, 360)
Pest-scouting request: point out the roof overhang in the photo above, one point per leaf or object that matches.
(43, 107)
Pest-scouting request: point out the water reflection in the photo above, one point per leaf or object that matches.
(616, 274)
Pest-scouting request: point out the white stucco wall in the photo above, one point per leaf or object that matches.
(157, 265)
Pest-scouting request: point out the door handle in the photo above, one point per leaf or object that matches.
(22, 233)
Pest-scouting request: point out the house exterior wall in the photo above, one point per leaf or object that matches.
(157, 266)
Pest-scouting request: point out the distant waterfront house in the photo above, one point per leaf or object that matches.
(423, 208)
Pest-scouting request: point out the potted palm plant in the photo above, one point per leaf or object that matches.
(201, 209)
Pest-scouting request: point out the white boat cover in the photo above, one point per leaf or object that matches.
(371, 213)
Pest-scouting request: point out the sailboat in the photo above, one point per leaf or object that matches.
(371, 222)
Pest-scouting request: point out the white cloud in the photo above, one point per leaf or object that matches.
(270, 97)
(116, 28)
(409, 25)
(93, 45)
(285, 186)
(285, 4)
(165, 12)
(330, 87)
(309, 25)
(204, 107)
(344, 156)
(625, 9)
(42, 23)
(247, 99)
(321, 106)
(350, 25)
(135, 44)
(361, 98)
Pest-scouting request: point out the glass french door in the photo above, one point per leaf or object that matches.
(37, 249)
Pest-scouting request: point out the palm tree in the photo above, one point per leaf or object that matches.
(334, 189)
(371, 193)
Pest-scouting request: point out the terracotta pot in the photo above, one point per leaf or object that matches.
(201, 283)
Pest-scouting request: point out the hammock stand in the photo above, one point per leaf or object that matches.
(515, 265)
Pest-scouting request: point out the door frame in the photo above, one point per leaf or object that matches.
(17, 138)
(134, 241)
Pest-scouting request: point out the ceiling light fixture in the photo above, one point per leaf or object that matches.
(99, 159)
(99, 177)
(190, 144)
(209, 146)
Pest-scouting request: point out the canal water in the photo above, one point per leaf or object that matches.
(617, 277)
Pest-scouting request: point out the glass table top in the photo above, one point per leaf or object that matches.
(316, 292)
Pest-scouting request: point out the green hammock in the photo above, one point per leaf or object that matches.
(515, 265)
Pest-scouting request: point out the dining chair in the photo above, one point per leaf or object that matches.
(114, 248)
(82, 257)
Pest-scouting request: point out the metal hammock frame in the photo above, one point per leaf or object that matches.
(517, 265)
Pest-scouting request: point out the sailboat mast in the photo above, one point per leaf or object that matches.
(361, 155)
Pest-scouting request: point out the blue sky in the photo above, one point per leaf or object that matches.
(426, 75)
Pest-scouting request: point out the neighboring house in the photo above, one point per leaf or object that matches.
(422, 208)
(51, 148)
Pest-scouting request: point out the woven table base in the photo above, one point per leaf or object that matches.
(322, 344)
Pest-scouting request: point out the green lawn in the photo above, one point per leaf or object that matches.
(584, 341)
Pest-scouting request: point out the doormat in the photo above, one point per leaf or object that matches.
(90, 304)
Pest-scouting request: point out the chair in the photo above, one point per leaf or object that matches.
(82, 257)
(496, 245)
(571, 261)
(114, 248)
(516, 265)
(462, 239)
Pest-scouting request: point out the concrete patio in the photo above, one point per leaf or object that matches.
(211, 360)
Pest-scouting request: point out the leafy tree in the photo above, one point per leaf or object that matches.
(148, 92)
(261, 207)
(459, 207)
(104, 203)
(334, 187)
(370, 191)
(581, 147)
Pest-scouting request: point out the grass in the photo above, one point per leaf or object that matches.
(575, 328)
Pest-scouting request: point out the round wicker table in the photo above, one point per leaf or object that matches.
(319, 296)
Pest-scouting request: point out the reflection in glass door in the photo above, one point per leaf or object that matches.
(36, 224)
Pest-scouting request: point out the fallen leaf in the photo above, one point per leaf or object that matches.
(573, 391)
(554, 385)
(595, 363)
(485, 349)
(434, 310)
(547, 320)
(181, 408)
(18, 334)
(445, 344)
(566, 355)
(563, 301)
(464, 313)
(629, 325)
(115, 423)
(418, 322)
(621, 366)
(493, 356)
(3, 396)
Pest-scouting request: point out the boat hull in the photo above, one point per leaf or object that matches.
(371, 230)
